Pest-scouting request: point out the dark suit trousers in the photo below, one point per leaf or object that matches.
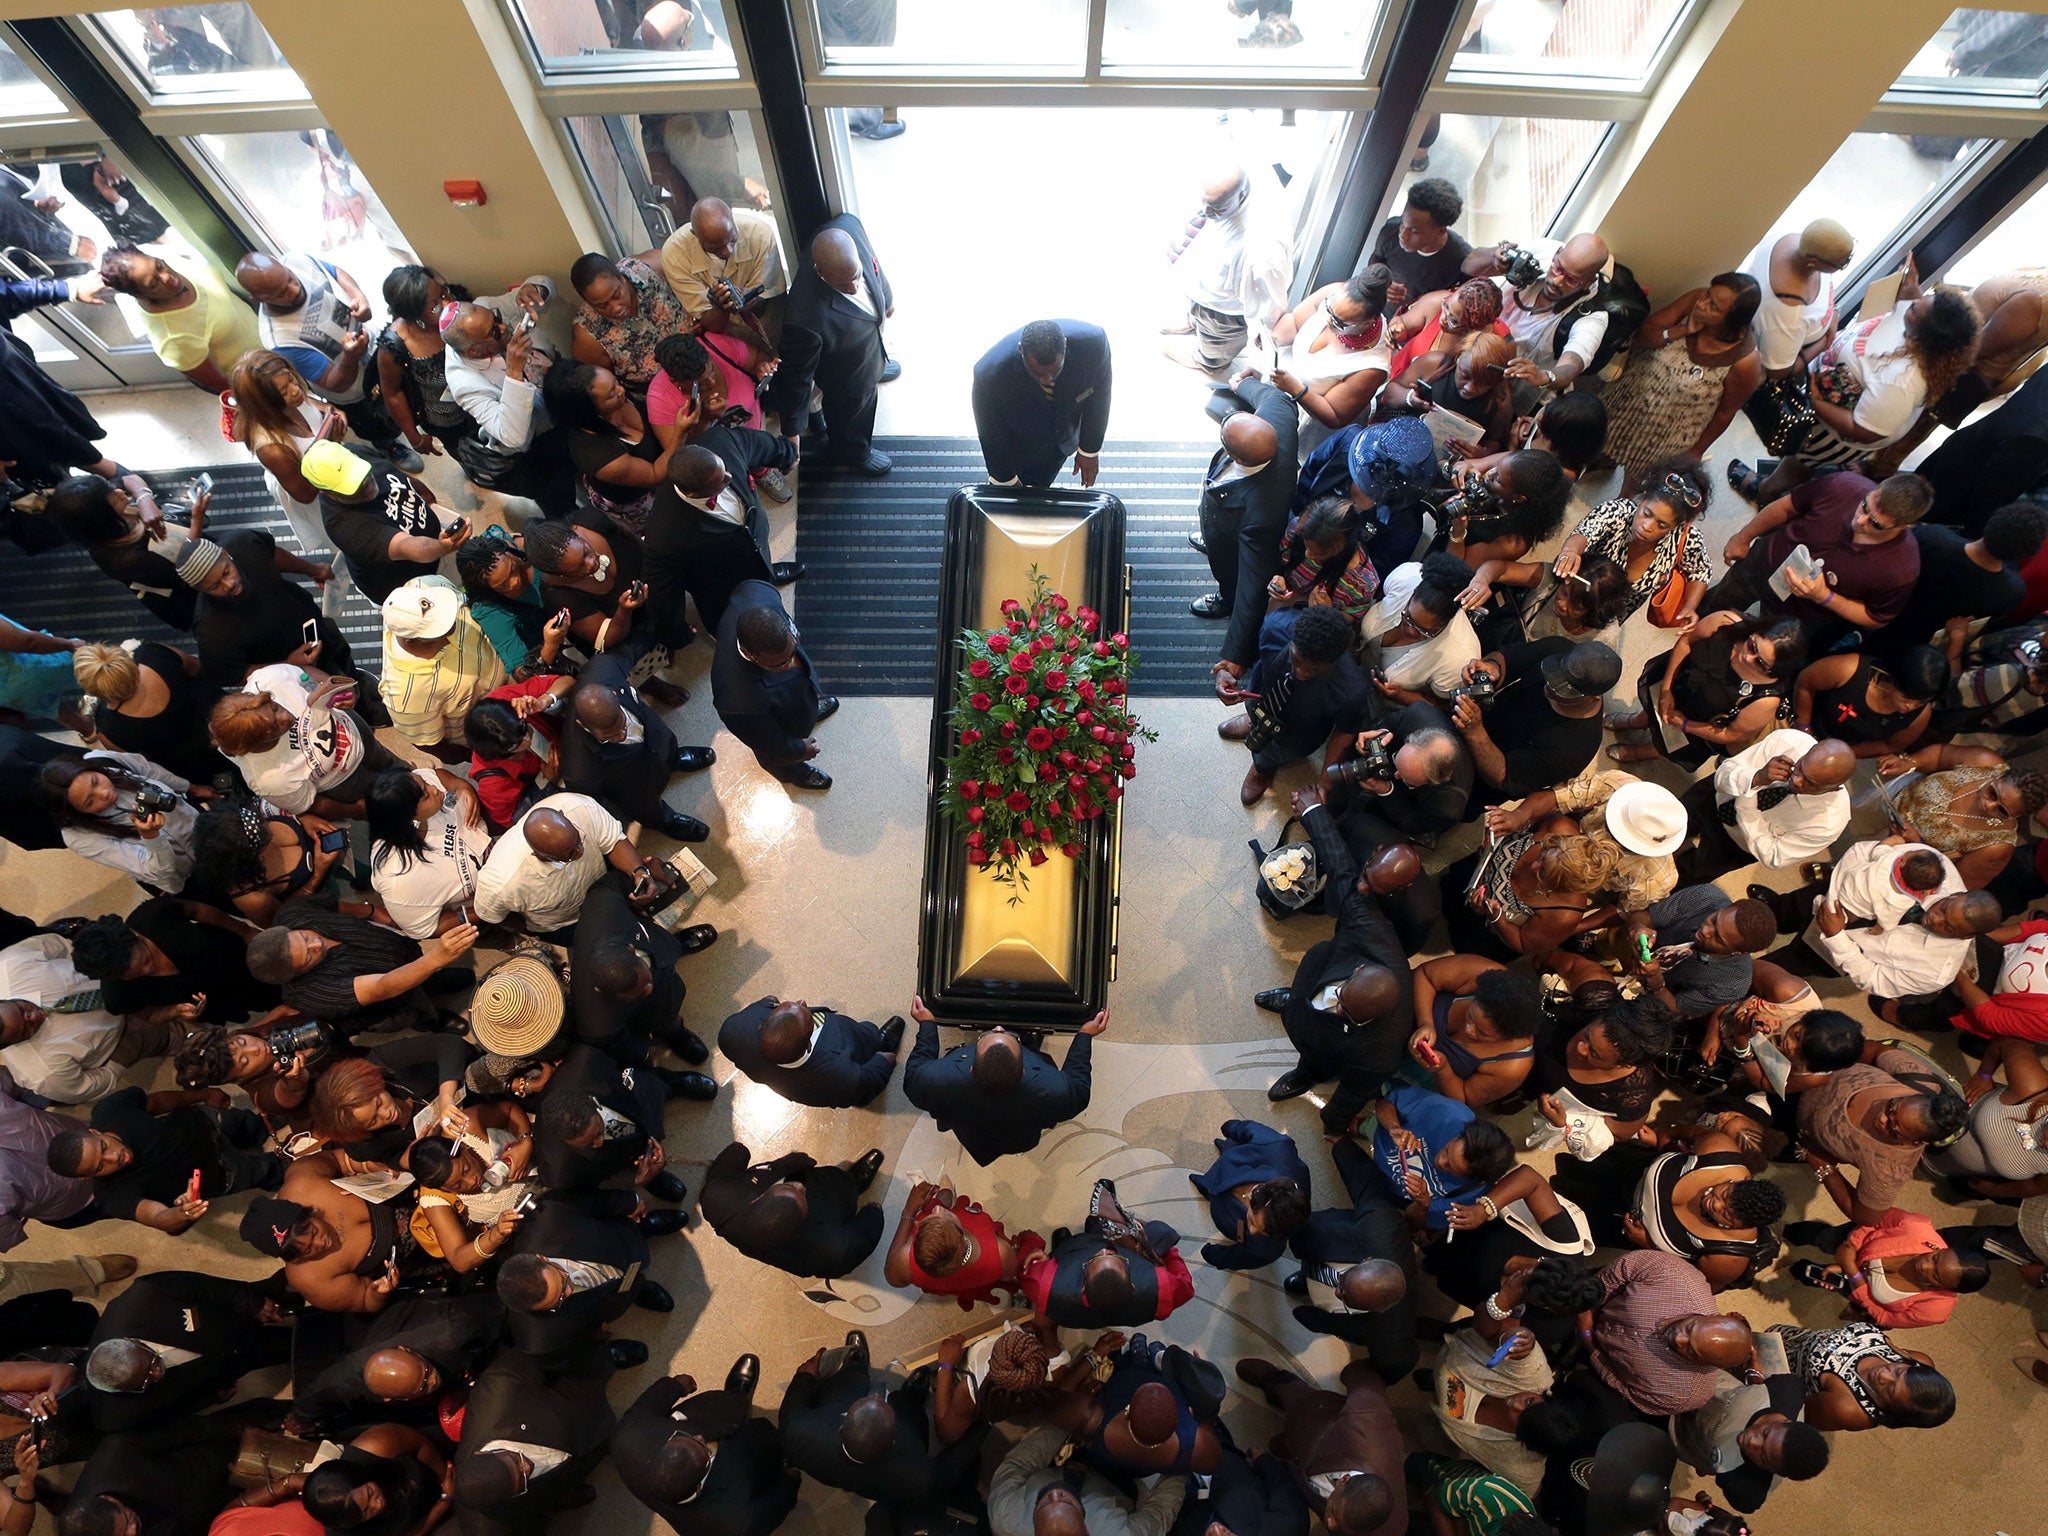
(835, 1206)
(1388, 1338)
(1713, 851)
(1220, 521)
(849, 415)
(1041, 472)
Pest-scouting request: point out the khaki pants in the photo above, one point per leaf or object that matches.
(75, 1274)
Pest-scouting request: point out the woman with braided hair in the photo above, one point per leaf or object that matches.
(1013, 1375)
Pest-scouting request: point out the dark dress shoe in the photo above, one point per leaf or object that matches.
(1292, 1085)
(828, 706)
(1198, 544)
(1296, 1284)
(662, 1224)
(805, 776)
(694, 1086)
(857, 1345)
(694, 759)
(1274, 999)
(626, 1353)
(684, 829)
(891, 370)
(698, 936)
(744, 1376)
(688, 1045)
(892, 1034)
(865, 1170)
(1210, 605)
(1060, 1235)
(666, 1186)
(874, 466)
(653, 1296)
(783, 572)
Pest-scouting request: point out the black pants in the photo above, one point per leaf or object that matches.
(1711, 850)
(238, 1137)
(1389, 1339)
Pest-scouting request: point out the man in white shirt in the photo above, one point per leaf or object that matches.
(541, 869)
(55, 1037)
(1549, 352)
(1896, 921)
(1235, 269)
(723, 245)
(1778, 802)
(498, 351)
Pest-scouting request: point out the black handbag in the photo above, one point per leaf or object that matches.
(1305, 895)
(1781, 413)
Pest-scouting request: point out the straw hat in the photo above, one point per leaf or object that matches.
(518, 1007)
(1646, 818)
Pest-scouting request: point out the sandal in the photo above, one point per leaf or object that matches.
(1633, 752)
(1627, 720)
(1744, 481)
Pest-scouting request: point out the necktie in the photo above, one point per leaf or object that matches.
(1914, 914)
(1186, 237)
(1724, 812)
(1773, 797)
(79, 1002)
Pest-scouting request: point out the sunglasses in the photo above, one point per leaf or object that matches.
(1682, 492)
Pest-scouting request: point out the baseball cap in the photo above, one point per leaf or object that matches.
(267, 1224)
(1646, 818)
(1586, 671)
(331, 467)
(422, 609)
(1825, 240)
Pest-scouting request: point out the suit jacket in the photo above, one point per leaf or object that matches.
(622, 1030)
(690, 552)
(851, 354)
(1249, 1498)
(834, 1076)
(214, 1318)
(1260, 505)
(1363, 934)
(633, 1093)
(1374, 1228)
(625, 778)
(1246, 1153)
(909, 1474)
(1021, 430)
(456, 1334)
(561, 1230)
(747, 1492)
(772, 712)
(513, 1400)
(988, 1125)
(831, 1241)
(174, 1474)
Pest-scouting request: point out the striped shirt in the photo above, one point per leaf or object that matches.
(429, 695)
(1466, 1491)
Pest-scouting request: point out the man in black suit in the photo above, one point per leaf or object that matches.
(1246, 1498)
(621, 753)
(1041, 395)
(664, 1447)
(598, 1124)
(1430, 789)
(1246, 499)
(528, 1446)
(167, 1479)
(765, 689)
(624, 993)
(842, 298)
(134, 1375)
(793, 1213)
(416, 1349)
(838, 1428)
(812, 1056)
(997, 1094)
(1116, 1272)
(707, 531)
(1350, 1009)
(1358, 1269)
(572, 1270)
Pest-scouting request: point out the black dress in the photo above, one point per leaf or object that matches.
(176, 736)
(1845, 713)
(211, 960)
(1707, 689)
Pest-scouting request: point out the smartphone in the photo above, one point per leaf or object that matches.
(1501, 1353)
(334, 841)
(203, 485)
(1428, 1055)
(192, 1188)
(309, 633)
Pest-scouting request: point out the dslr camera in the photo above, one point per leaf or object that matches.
(730, 295)
(1480, 690)
(1375, 762)
(154, 800)
(1486, 514)
(308, 1039)
(1520, 267)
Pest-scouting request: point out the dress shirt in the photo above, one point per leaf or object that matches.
(1863, 884)
(70, 1059)
(1641, 1292)
(1889, 960)
(508, 409)
(726, 506)
(1798, 827)
(756, 261)
(27, 1186)
(1028, 1470)
(515, 879)
(545, 1458)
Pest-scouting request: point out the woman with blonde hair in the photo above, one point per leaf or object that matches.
(277, 418)
(151, 703)
(1530, 891)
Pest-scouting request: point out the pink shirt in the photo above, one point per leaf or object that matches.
(665, 397)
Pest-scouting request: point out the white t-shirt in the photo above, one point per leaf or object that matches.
(323, 747)
(1893, 387)
(1784, 328)
(514, 879)
(2025, 968)
(1436, 665)
(430, 883)
(1530, 329)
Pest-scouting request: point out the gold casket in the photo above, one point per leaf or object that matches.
(1043, 957)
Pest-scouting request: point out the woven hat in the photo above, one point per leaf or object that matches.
(518, 1008)
(1646, 819)
(1393, 461)
(198, 561)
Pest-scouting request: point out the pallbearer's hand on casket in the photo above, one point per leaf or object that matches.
(1096, 1025)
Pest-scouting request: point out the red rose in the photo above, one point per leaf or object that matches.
(1015, 684)
(1037, 857)
(979, 667)
(1087, 716)
(1006, 755)
(981, 701)
(1055, 681)
(1099, 732)
(1128, 770)
(1115, 791)
(1038, 739)
(969, 738)
(1113, 686)
(1021, 662)
(1017, 800)
(1076, 782)
(1031, 701)
(1086, 688)
(1067, 759)
(1126, 751)
(975, 813)
(1071, 850)
(1048, 772)
(1009, 605)
(1101, 647)
(1059, 603)
(1073, 643)
(975, 837)
(999, 643)
(1119, 639)
(1040, 645)
(969, 788)
(1027, 828)
(981, 860)
(1009, 847)
(1060, 733)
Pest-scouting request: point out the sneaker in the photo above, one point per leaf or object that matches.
(404, 456)
(773, 484)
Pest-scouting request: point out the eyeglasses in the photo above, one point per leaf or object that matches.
(1681, 492)
(1415, 623)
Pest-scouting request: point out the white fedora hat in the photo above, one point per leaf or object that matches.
(1646, 819)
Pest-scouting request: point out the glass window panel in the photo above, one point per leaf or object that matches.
(2019, 241)
(21, 93)
(649, 169)
(1515, 172)
(1993, 52)
(190, 49)
(1309, 37)
(654, 36)
(309, 197)
(1006, 36)
(1567, 38)
(1873, 185)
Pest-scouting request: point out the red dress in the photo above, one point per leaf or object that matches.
(977, 1280)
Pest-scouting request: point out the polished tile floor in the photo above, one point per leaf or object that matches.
(817, 897)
